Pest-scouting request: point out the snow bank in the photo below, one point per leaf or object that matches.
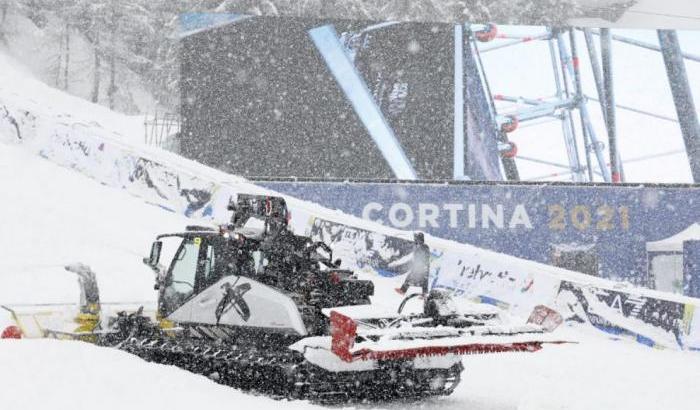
(54, 217)
(596, 374)
(38, 374)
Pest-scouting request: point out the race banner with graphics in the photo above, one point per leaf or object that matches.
(519, 288)
(360, 247)
(600, 230)
(653, 322)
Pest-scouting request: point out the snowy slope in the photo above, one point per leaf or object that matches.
(55, 216)
(73, 217)
(39, 374)
(18, 83)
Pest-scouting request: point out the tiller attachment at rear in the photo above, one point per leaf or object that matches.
(407, 342)
(439, 331)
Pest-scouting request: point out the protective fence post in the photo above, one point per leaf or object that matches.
(580, 98)
(682, 97)
(459, 145)
(599, 84)
(609, 98)
(569, 129)
(568, 66)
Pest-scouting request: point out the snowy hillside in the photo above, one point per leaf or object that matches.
(71, 67)
(55, 215)
(70, 217)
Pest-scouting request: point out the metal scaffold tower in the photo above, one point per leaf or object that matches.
(585, 145)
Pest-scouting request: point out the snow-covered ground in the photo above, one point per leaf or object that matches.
(43, 374)
(52, 216)
(595, 374)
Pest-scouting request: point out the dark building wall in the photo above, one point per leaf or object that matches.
(258, 99)
(409, 68)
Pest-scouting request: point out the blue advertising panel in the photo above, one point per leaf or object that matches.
(691, 268)
(606, 227)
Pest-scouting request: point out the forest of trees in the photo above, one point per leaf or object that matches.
(531, 12)
(141, 35)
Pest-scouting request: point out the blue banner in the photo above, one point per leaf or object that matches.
(605, 227)
(691, 268)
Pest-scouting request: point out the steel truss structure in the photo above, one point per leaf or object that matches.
(569, 104)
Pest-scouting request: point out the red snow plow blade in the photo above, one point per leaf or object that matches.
(412, 342)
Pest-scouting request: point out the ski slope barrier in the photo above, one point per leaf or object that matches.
(605, 231)
(80, 141)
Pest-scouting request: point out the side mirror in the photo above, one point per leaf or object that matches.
(154, 258)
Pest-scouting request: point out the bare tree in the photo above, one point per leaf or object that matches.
(95, 96)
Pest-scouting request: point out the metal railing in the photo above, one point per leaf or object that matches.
(162, 130)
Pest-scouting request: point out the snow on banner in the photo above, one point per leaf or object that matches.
(651, 321)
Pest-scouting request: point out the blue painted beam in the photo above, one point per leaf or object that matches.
(356, 91)
(458, 161)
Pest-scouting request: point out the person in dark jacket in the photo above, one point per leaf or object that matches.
(419, 266)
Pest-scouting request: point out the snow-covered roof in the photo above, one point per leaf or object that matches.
(675, 242)
(651, 14)
(573, 247)
(193, 23)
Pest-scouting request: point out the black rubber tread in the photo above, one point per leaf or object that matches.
(287, 375)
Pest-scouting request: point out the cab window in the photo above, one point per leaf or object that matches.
(184, 269)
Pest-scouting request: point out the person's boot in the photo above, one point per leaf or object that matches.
(400, 291)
